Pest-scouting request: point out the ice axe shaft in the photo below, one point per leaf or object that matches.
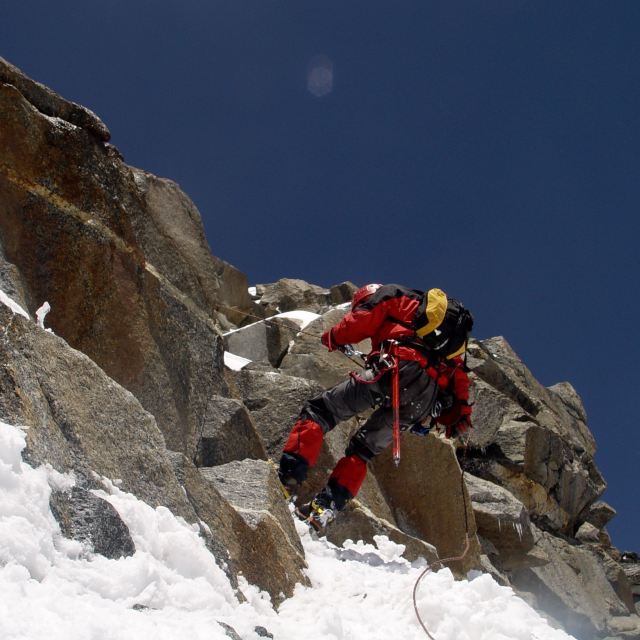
(395, 403)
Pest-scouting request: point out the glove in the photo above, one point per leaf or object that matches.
(459, 428)
(328, 341)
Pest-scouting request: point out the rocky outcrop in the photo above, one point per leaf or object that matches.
(132, 387)
(574, 589)
(540, 447)
(170, 233)
(274, 401)
(51, 104)
(429, 499)
(83, 422)
(289, 294)
(263, 342)
(79, 419)
(503, 521)
(529, 466)
(277, 557)
(120, 256)
(247, 522)
(630, 565)
(228, 434)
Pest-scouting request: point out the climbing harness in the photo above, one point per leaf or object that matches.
(386, 360)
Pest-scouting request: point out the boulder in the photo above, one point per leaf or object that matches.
(357, 522)
(429, 499)
(290, 294)
(93, 521)
(252, 488)
(502, 519)
(588, 533)
(264, 342)
(342, 293)
(274, 401)
(229, 631)
(228, 434)
(599, 514)
(570, 399)
(226, 532)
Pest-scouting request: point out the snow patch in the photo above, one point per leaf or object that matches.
(50, 588)
(41, 314)
(302, 318)
(13, 305)
(234, 362)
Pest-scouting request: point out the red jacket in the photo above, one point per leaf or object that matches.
(388, 314)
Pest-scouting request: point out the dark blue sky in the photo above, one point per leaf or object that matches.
(489, 147)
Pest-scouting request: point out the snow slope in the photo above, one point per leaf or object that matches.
(171, 588)
(53, 588)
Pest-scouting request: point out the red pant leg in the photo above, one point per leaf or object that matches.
(350, 473)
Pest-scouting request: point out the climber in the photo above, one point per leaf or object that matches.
(423, 334)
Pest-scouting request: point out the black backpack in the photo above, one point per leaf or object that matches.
(443, 324)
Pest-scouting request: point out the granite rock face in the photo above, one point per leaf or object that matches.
(429, 499)
(264, 342)
(132, 386)
(574, 589)
(119, 255)
(540, 447)
(251, 488)
(79, 419)
(228, 434)
(502, 519)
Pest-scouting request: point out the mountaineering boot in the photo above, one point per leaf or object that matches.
(289, 488)
(292, 471)
(315, 515)
(319, 512)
